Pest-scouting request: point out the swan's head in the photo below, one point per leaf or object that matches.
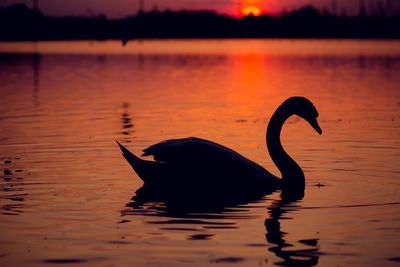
(303, 107)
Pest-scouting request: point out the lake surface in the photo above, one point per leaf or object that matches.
(66, 190)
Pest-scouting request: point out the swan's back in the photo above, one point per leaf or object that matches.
(194, 150)
(209, 160)
(191, 148)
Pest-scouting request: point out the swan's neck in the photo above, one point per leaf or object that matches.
(292, 175)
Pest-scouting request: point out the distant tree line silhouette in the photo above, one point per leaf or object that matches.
(21, 23)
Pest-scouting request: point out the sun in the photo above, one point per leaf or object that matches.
(251, 10)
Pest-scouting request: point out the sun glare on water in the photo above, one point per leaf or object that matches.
(251, 10)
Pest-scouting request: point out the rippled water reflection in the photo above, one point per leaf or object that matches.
(66, 192)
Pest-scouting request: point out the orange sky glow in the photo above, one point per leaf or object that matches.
(251, 10)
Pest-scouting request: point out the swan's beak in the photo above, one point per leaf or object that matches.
(314, 123)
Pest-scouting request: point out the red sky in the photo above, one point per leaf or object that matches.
(122, 8)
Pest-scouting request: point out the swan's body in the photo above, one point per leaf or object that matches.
(196, 164)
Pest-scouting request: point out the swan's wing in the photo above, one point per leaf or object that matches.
(201, 155)
(194, 151)
(181, 150)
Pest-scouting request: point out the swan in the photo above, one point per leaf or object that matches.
(194, 164)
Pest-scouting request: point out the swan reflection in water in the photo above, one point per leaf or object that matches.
(274, 235)
(218, 213)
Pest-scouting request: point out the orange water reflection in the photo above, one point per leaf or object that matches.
(65, 188)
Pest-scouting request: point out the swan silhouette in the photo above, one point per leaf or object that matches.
(198, 165)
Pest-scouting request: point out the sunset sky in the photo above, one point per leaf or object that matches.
(122, 8)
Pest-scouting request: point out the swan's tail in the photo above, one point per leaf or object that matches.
(130, 157)
(145, 169)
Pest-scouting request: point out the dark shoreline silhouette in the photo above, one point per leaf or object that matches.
(21, 24)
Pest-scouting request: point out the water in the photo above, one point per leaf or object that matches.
(66, 190)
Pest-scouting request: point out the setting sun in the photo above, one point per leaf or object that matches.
(251, 10)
